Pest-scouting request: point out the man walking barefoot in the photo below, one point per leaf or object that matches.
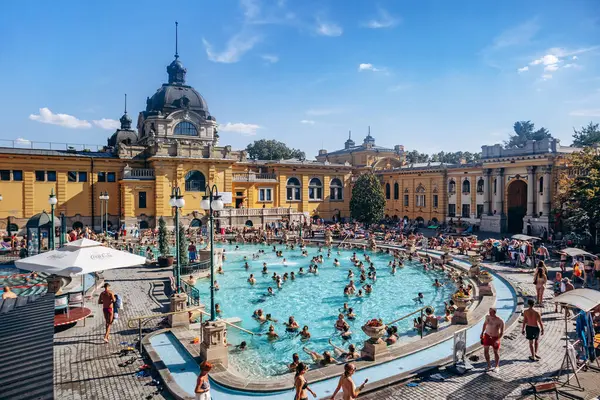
(532, 323)
(491, 334)
(107, 299)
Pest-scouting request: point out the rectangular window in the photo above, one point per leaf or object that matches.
(82, 176)
(293, 194)
(17, 175)
(405, 200)
(466, 211)
(101, 176)
(435, 201)
(111, 177)
(5, 175)
(40, 176)
(72, 176)
(265, 194)
(51, 176)
(142, 199)
(479, 210)
(420, 200)
(452, 210)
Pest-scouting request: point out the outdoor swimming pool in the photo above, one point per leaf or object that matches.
(314, 300)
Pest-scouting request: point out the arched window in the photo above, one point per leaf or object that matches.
(452, 186)
(420, 196)
(196, 223)
(249, 223)
(293, 189)
(195, 181)
(480, 184)
(315, 189)
(77, 225)
(387, 191)
(541, 188)
(13, 227)
(396, 191)
(466, 186)
(186, 129)
(336, 190)
(144, 225)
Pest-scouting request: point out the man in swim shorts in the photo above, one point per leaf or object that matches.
(532, 322)
(107, 299)
(491, 334)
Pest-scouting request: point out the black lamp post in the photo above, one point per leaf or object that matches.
(212, 202)
(52, 200)
(177, 201)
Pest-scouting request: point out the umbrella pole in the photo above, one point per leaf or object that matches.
(567, 362)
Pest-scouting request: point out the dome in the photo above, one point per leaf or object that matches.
(173, 97)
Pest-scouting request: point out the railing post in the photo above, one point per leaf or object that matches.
(140, 334)
(422, 323)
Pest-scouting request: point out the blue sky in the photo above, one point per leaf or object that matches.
(431, 75)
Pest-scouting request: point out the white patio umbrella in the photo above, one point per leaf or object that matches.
(80, 257)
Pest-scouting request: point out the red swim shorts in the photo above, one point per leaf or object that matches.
(108, 315)
(491, 341)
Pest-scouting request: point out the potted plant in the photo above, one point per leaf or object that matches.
(375, 330)
(461, 300)
(165, 259)
(485, 277)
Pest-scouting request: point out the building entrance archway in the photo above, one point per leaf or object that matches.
(516, 204)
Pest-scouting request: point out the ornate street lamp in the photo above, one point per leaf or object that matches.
(52, 200)
(212, 202)
(177, 201)
(104, 211)
(106, 197)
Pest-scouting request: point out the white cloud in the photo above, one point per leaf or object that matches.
(546, 76)
(328, 29)
(270, 58)
(562, 52)
(236, 47)
(383, 20)
(551, 68)
(548, 59)
(319, 112)
(586, 113)
(574, 58)
(572, 65)
(105, 123)
(251, 8)
(307, 122)
(369, 67)
(525, 68)
(22, 142)
(239, 127)
(48, 117)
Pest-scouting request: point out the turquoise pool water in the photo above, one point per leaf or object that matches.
(185, 370)
(313, 300)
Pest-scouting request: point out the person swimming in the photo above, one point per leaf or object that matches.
(322, 359)
(291, 325)
(304, 333)
(246, 265)
(292, 276)
(258, 315)
(350, 314)
(336, 263)
(271, 334)
(218, 310)
(270, 291)
(216, 286)
(341, 323)
(252, 279)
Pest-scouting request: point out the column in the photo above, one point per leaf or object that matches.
(487, 192)
(546, 200)
(499, 196)
(530, 191)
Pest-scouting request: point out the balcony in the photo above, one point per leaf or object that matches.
(251, 212)
(254, 177)
(143, 174)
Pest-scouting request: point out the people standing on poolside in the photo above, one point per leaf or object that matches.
(346, 384)
(491, 335)
(107, 299)
(202, 389)
(540, 281)
(532, 327)
(300, 383)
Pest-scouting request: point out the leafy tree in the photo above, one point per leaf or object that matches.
(524, 131)
(416, 157)
(577, 198)
(183, 246)
(368, 201)
(264, 149)
(586, 136)
(163, 238)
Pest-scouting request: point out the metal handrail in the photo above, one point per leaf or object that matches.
(408, 315)
(233, 325)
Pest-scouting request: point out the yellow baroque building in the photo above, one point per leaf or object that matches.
(176, 145)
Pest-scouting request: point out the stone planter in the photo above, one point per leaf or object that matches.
(461, 302)
(474, 271)
(165, 261)
(375, 333)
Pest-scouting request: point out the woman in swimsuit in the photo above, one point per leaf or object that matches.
(347, 384)
(540, 281)
(340, 324)
(203, 384)
(305, 333)
(300, 383)
(291, 325)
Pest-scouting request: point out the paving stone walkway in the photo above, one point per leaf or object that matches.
(515, 368)
(87, 368)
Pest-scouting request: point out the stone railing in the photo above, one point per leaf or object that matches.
(138, 173)
(249, 212)
(254, 177)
